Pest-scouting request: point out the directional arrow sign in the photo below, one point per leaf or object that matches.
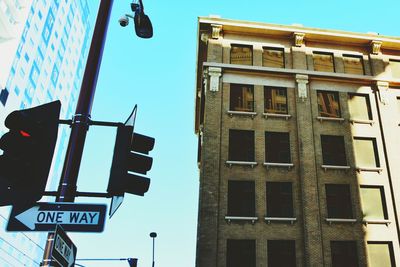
(63, 250)
(73, 217)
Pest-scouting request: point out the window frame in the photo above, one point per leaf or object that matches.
(241, 198)
(368, 107)
(279, 251)
(276, 198)
(271, 48)
(241, 46)
(390, 250)
(351, 251)
(325, 54)
(236, 146)
(375, 153)
(383, 204)
(238, 89)
(342, 199)
(275, 89)
(240, 251)
(277, 143)
(331, 160)
(354, 56)
(325, 96)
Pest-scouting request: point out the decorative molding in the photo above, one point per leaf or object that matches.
(302, 81)
(299, 39)
(204, 37)
(216, 31)
(376, 47)
(383, 89)
(214, 74)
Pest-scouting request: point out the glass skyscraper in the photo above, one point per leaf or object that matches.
(48, 62)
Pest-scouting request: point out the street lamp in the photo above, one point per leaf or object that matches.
(153, 235)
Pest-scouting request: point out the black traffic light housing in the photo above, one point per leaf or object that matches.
(130, 159)
(28, 150)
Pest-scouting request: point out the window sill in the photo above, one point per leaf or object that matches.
(229, 219)
(244, 163)
(321, 119)
(338, 220)
(242, 113)
(276, 115)
(334, 167)
(279, 219)
(376, 221)
(371, 122)
(369, 169)
(281, 165)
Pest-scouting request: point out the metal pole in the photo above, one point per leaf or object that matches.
(153, 250)
(69, 177)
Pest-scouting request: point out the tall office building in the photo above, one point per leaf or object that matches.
(298, 146)
(48, 57)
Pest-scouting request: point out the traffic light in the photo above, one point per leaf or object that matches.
(132, 262)
(130, 156)
(27, 153)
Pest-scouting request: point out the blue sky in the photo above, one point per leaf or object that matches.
(159, 75)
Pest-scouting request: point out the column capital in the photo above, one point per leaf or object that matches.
(216, 31)
(376, 47)
(299, 39)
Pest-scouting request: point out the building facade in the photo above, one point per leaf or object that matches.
(298, 146)
(47, 63)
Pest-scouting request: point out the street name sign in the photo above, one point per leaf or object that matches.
(44, 216)
(63, 250)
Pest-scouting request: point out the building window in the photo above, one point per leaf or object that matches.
(281, 253)
(277, 147)
(380, 254)
(241, 199)
(323, 62)
(353, 64)
(366, 152)
(338, 201)
(241, 54)
(273, 57)
(240, 253)
(395, 68)
(241, 98)
(359, 107)
(275, 100)
(279, 199)
(373, 203)
(344, 254)
(333, 152)
(241, 145)
(3, 96)
(328, 104)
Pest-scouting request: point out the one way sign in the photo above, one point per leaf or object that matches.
(73, 217)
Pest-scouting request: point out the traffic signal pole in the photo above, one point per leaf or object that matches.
(80, 124)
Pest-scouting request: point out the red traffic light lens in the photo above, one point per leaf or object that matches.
(24, 134)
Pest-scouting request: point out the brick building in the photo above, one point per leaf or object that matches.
(298, 146)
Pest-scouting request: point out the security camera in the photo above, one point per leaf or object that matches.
(123, 21)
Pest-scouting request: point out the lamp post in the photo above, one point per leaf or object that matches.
(153, 235)
(81, 120)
